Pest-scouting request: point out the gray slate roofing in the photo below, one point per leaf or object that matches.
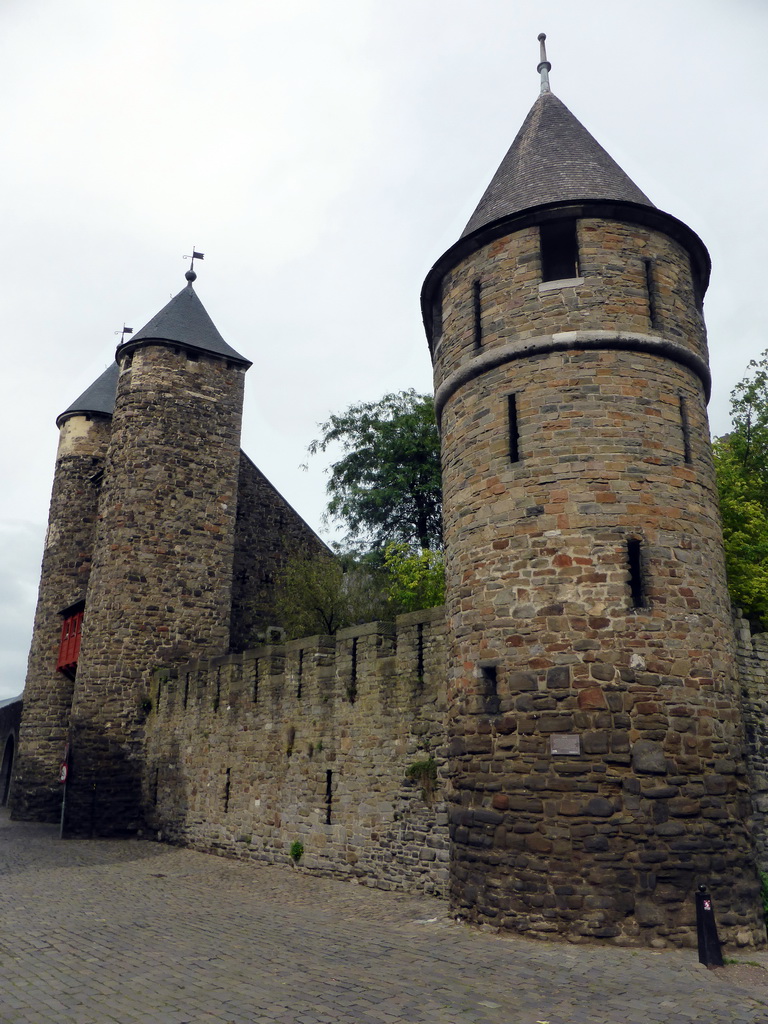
(99, 397)
(553, 159)
(184, 321)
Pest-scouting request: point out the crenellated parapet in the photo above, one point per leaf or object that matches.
(334, 742)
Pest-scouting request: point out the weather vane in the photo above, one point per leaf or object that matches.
(544, 67)
(123, 332)
(190, 274)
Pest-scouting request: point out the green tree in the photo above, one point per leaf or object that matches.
(386, 486)
(414, 579)
(324, 595)
(741, 462)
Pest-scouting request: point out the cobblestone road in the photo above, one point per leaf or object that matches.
(138, 933)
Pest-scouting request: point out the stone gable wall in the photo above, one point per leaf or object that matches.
(310, 741)
(268, 532)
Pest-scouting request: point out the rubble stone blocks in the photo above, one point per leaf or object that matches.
(611, 841)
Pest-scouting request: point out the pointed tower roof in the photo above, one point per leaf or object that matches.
(553, 159)
(99, 398)
(185, 321)
(554, 170)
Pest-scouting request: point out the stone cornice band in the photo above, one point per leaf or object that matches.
(574, 341)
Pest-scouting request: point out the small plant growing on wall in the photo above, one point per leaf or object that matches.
(425, 773)
(296, 851)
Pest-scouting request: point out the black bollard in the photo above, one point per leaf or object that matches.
(710, 953)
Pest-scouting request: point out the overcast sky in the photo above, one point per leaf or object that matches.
(323, 155)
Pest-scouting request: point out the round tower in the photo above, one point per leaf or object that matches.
(160, 585)
(595, 737)
(84, 429)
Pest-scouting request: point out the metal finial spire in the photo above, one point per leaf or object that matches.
(190, 274)
(544, 66)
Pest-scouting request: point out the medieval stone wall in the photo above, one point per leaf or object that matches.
(753, 670)
(310, 741)
(596, 742)
(161, 579)
(268, 533)
(64, 577)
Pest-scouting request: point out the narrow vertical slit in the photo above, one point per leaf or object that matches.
(635, 564)
(226, 790)
(420, 652)
(514, 434)
(256, 680)
(650, 287)
(328, 795)
(437, 315)
(186, 688)
(490, 694)
(217, 694)
(684, 423)
(477, 303)
(159, 693)
(300, 674)
(352, 688)
(155, 786)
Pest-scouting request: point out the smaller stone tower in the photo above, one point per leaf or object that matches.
(84, 430)
(596, 742)
(160, 586)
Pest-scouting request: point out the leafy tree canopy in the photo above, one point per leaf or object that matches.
(323, 595)
(741, 462)
(386, 487)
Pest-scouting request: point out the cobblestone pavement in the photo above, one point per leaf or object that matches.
(97, 932)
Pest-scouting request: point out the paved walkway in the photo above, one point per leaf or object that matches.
(98, 932)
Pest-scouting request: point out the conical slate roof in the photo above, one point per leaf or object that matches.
(184, 321)
(98, 398)
(553, 159)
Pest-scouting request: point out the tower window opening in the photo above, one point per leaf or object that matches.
(186, 688)
(477, 306)
(217, 694)
(328, 795)
(514, 433)
(300, 674)
(559, 250)
(490, 682)
(650, 287)
(256, 680)
(686, 428)
(635, 565)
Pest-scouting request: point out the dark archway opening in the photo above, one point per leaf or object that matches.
(6, 771)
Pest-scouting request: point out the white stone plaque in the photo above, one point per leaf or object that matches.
(565, 744)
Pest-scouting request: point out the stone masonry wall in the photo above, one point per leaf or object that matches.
(596, 742)
(612, 293)
(160, 586)
(268, 532)
(64, 577)
(753, 670)
(310, 741)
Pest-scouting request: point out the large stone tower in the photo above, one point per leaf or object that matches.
(161, 578)
(83, 438)
(594, 726)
